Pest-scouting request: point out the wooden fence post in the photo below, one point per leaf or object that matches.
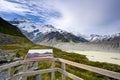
(64, 69)
(53, 72)
(25, 67)
(36, 65)
(38, 77)
(9, 72)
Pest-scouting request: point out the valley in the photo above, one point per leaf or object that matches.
(16, 46)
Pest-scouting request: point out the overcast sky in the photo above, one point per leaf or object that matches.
(78, 16)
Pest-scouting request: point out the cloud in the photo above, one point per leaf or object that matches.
(24, 7)
(88, 16)
(9, 7)
(78, 16)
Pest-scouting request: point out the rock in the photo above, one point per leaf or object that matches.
(3, 57)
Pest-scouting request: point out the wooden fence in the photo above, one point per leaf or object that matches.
(25, 72)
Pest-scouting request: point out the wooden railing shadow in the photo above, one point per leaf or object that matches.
(24, 72)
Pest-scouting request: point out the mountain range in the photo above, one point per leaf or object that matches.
(48, 34)
(38, 33)
(102, 38)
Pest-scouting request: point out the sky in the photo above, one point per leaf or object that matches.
(77, 16)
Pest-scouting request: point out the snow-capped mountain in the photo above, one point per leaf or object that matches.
(27, 25)
(102, 38)
(39, 33)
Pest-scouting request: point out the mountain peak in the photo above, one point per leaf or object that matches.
(17, 21)
(49, 26)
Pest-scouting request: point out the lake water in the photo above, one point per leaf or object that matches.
(109, 57)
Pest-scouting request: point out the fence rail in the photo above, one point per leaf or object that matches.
(105, 72)
(53, 69)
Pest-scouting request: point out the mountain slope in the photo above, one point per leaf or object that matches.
(7, 28)
(10, 34)
(64, 37)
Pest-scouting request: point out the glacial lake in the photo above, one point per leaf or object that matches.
(99, 56)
